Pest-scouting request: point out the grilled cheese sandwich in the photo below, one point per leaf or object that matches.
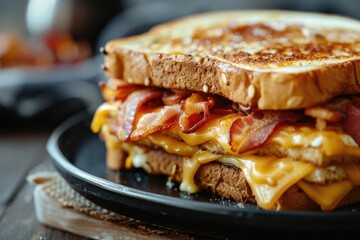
(265, 95)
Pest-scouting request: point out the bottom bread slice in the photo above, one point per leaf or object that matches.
(229, 182)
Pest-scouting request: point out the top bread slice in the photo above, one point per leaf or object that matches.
(265, 58)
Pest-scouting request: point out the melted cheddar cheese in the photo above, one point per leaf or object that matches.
(268, 176)
(332, 143)
(172, 145)
(101, 115)
(190, 167)
(327, 196)
(216, 130)
(352, 170)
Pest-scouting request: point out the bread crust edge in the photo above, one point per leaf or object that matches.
(249, 87)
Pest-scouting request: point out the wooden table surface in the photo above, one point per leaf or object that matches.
(22, 152)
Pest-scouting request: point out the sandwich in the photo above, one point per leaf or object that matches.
(257, 106)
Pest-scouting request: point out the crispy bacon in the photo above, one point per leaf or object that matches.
(157, 121)
(340, 110)
(352, 122)
(333, 111)
(227, 109)
(131, 107)
(245, 109)
(249, 132)
(117, 89)
(196, 111)
(175, 97)
(324, 114)
(223, 106)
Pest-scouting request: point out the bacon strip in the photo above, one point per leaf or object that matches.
(252, 131)
(175, 97)
(333, 111)
(352, 122)
(153, 122)
(196, 111)
(227, 109)
(117, 90)
(130, 108)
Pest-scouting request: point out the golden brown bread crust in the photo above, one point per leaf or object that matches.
(295, 199)
(115, 158)
(229, 182)
(159, 162)
(225, 181)
(311, 66)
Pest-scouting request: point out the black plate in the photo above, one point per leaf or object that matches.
(79, 156)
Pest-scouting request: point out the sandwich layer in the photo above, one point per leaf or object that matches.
(257, 106)
(246, 56)
(274, 150)
(228, 181)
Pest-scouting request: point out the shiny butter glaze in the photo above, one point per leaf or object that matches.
(264, 45)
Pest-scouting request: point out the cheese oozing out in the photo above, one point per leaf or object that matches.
(268, 176)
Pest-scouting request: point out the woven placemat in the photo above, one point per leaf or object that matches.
(58, 205)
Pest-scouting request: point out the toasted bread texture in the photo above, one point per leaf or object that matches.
(269, 59)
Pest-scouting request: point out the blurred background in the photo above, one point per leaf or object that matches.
(49, 49)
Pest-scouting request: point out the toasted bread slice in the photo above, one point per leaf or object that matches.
(247, 56)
